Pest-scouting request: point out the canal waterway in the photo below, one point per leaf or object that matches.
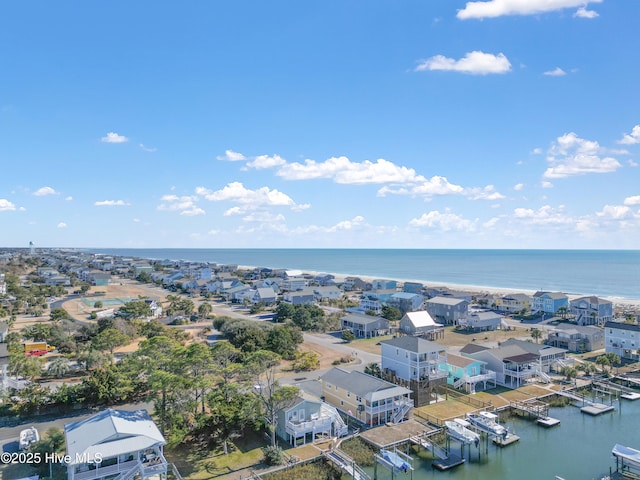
(577, 449)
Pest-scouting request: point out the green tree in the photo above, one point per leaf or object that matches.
(108, 385)
(284, 340)
(273, 398)
(305, 361)
(58, 314)
(348, 336)
(205, 309)
(109, 340)
(391, 313)
(373, 369)
(603, 361)
(92, 359)
(536, 334)
(135, 309)
(52, 441)
(97, 304)
(22, 366)
(58, 367)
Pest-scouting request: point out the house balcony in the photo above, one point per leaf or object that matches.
(298, 429)
(151, 464)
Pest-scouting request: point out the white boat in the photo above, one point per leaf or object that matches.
(28, 436)
(486, 421)
(630, 456)
(462, 433)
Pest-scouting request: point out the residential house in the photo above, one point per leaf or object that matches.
(324, 279)
(156, 308)
(447, 310)
(591, 310)
(421, 324)
(141, 267)
(576, 338)
(381, 284)
(481, 321)
(291, 284)
(516, 302)
(3, 287)
(415, 363)
(236, 293)
(374, 300)
(549, 302)
(301, 297)
(365, 398)
(517, 362)
(328, 292)
(623, 339)
(4, 330)
(364, 326)
(307, 421)
(412, 287)
(115, 444)
(355, 283)
(98, 278)
(406, 302)
(469, 373)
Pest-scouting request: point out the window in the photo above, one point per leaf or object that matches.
(348, 394)
(358, 399)
(341, 403)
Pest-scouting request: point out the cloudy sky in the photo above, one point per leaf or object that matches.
(342, 123)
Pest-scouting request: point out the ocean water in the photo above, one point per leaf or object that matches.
(607, 273)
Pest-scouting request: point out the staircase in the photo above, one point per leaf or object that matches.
(128, 475)
(398, 416)
(545, 378)
(340, 428)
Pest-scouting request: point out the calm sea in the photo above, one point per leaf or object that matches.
(608, 273)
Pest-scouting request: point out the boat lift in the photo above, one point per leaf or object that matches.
(395, 461)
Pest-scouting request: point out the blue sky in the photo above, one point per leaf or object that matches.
(351, 123)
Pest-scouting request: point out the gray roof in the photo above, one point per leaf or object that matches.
(447, 300)
(414, 344)
(110, 433)
(363, 385)
(550, 294)
(471, 348)
(633, 327)
(363, 319)
(593, 300)
(530, 347)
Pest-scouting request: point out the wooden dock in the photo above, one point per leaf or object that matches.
(448, 463)
(503, 442)
(597, 408)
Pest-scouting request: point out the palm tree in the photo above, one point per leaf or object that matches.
(205, 309)
(59, 367)
(536, 334)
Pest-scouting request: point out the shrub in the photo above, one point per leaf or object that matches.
(273, 455)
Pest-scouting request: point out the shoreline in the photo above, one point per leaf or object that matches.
(481, 289)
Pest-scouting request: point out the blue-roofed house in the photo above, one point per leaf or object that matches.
(115, 444)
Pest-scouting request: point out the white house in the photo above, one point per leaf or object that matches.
(422, 324)
(115, 444)
(623, 339)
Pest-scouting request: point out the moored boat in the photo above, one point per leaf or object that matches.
(630, 456)
(486, 421)
(462, 433)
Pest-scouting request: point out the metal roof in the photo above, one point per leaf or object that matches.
(110, 433)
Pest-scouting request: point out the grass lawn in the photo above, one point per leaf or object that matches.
(203, 465)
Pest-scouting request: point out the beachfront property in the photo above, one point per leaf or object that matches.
(591, 310)
(623, 339)
(293, 283)
(406, 302)
(412, 287)
(327, 292)
(415, 363)
(115, 444)
(447, 310)
(549, 302)
(306, 421)
(365, 398)
(576, 338)
(481, 321)
(365, 326)
(355, 283)
(512, 303)
(469, 374)
(382, 284)
(421, 324)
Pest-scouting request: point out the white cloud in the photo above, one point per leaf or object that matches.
(518, 186)
(615, 212)
(184, 204)
(570, 155)
(499, 8)
(631, 138)
(582, 12)
(264, 217)
(6, 205)
(545, 184)
(111, 203)
(344, 171)
(62, 225)
(249, 199)
(69, 198)
(537, 151)
(486, 193)
(556, 72)
(44, 191)
(148, 149)
(266, 161)
(473, 63)
(632, 163)
(231, 156)
(113, 137)
(443, 221)
(136, 220)
(634, 200)
(545, 215)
